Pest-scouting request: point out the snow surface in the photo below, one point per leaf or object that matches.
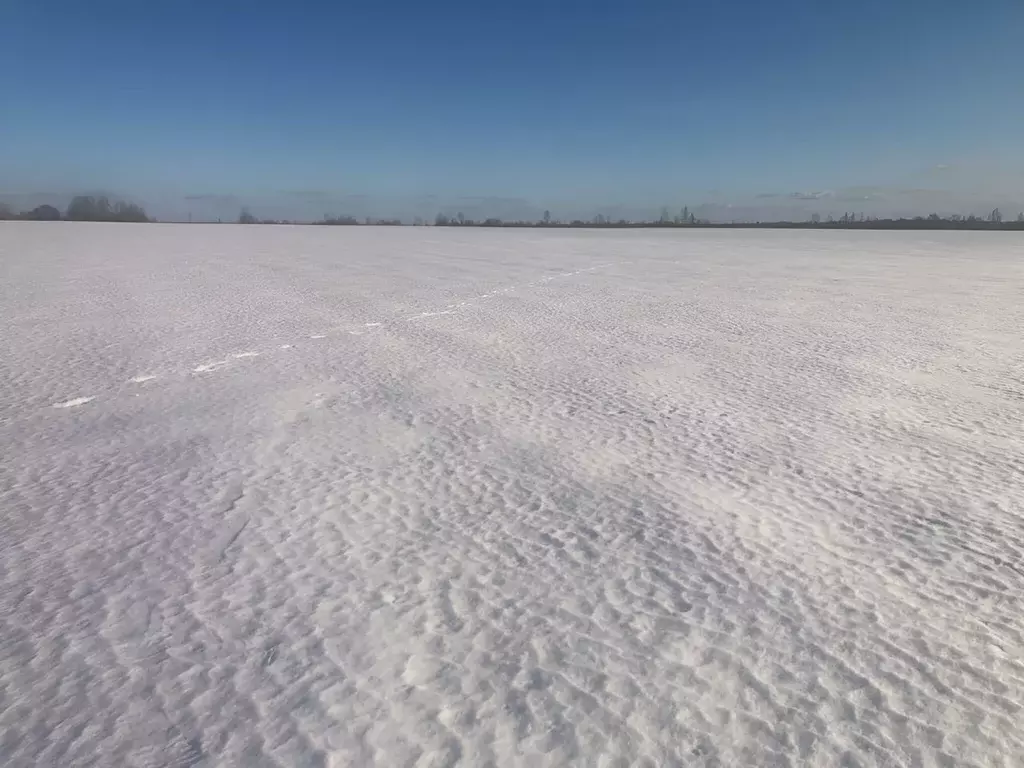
(329, 496)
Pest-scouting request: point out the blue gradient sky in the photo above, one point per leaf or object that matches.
(308, 106)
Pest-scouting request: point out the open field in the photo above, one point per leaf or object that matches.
(359, 496)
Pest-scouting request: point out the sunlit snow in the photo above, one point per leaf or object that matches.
(277, 496)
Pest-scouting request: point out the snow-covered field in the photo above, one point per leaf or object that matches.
(311, 496)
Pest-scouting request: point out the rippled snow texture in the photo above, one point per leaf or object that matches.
(420, 497)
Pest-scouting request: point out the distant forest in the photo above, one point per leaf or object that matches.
(83, 208)
(88, 208)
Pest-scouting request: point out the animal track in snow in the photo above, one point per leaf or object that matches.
(450, 309)
(206, 367)
(432, 314)
(74, 403)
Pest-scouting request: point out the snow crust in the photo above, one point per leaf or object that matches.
(418, 497)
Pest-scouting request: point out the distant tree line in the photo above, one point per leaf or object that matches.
(350, 221)
(246, 217)
(101, 208)
(685, 218)
(339, 221)
(993, 220)
(82, 208)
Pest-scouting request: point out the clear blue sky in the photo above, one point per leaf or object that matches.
(582, 103)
